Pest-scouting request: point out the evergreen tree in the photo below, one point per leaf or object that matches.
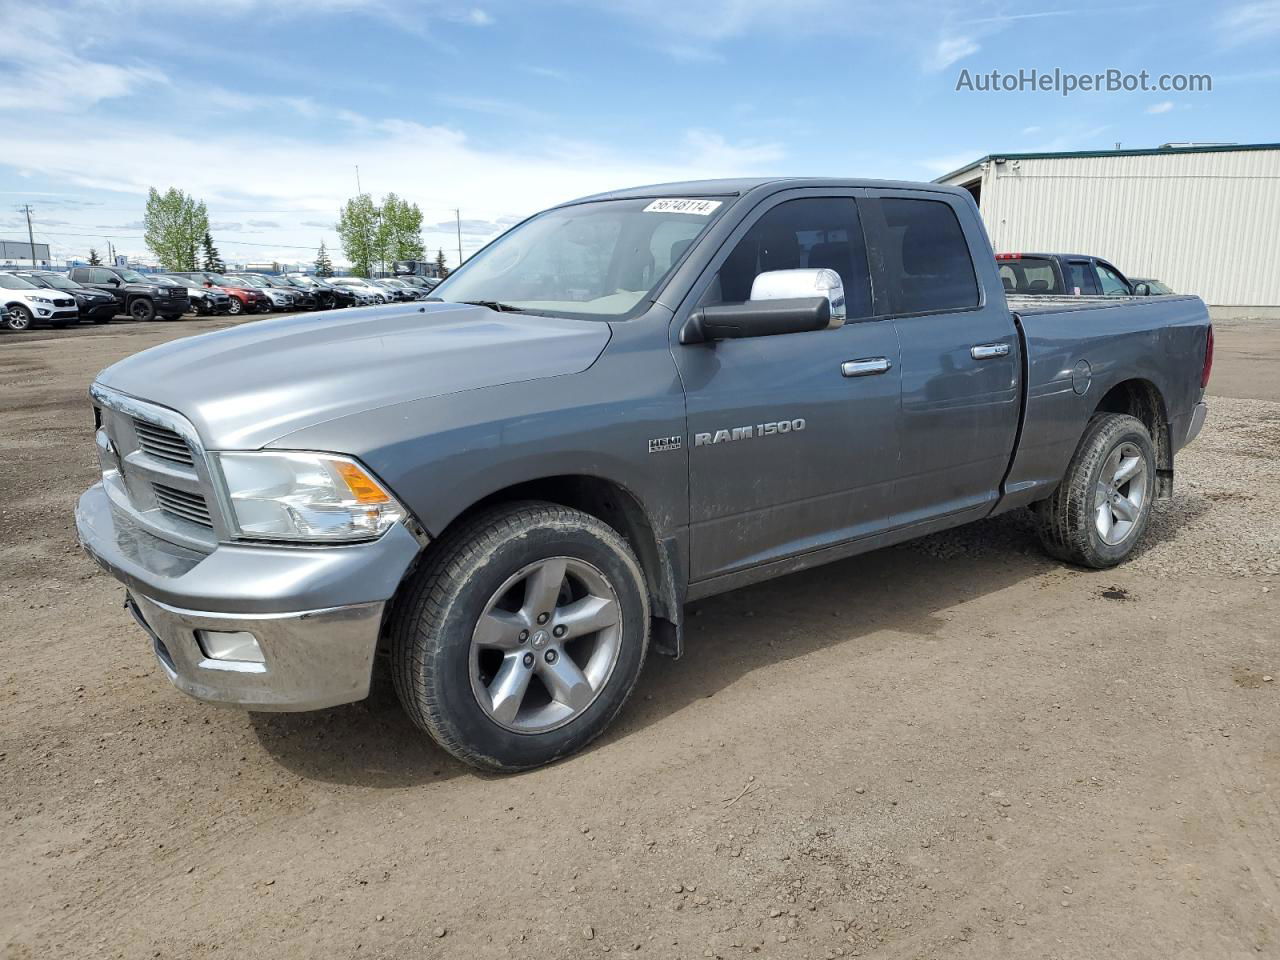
(213, 261)
(94, 259)
(441, 270)
(324, 266)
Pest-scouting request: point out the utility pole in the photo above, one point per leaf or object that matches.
(31, 239)
(457, 217)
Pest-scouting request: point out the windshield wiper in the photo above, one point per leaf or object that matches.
(494, 305)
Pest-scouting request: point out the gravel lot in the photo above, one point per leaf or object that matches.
(955, 748)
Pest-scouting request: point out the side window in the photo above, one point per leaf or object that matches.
(1110, 280)
(798, 234)
(1080, 283)
(936, 271)
(1028, 275)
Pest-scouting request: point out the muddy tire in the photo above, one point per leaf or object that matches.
(522, 635)
(1100, 511)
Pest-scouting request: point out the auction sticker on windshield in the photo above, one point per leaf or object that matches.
(703, 208)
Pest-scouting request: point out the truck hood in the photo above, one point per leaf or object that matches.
(248, 385)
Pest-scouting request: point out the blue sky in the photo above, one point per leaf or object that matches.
(504, 107)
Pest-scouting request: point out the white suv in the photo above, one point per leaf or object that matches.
(371, 292)
(29, 304)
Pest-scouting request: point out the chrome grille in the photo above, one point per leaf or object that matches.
(161, 442)
(181, 504)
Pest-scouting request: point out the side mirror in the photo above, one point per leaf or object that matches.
(782, 301)
(1142, 289)
(114, 281)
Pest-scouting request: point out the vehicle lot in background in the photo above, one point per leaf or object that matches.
(244, 297)
(930, 746)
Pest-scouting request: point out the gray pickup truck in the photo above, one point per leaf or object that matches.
(622, 404)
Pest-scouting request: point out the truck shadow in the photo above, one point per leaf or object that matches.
(898, 597)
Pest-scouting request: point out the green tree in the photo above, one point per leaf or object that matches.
(175, 222)
(357, 228)
(94, 259)
(213, 261)
(441, 270)
(324, 266)
(400, 230)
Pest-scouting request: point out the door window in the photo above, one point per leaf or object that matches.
(934, 270)
(1112, 283)
(1081, 282)
(797, 234)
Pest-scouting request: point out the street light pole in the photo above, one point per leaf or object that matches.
(457, 217)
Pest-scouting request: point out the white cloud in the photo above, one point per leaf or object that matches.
(1164, 106)
(949, 50)
(1028, 131)
(1248, 22)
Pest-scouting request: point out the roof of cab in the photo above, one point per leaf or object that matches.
(736, 187)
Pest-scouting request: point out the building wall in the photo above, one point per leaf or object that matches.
(1205, 223)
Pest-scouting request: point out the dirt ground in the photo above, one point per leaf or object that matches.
(951, 749)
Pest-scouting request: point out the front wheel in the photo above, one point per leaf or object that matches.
(1100, 510)
(142, 310)
(518, 642)
(19, 318)
(235, 307)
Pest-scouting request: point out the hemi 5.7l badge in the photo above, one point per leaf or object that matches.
(663, 444)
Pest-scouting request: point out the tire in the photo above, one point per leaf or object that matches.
(1093, 519)
(235, 308)
(443, 668)
(20, 318)
(142, 310)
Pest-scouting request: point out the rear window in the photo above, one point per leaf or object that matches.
(1029, 275)
(935, 271)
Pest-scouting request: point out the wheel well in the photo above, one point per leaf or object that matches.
(613, 504)
(1141, 399)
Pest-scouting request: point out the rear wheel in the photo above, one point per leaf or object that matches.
(1100, 510)
(522, 637)
(19, 318)
(142, 310)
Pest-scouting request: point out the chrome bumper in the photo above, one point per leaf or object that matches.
(315, 612)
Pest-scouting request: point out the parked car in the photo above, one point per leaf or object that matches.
(372, 292)
(136, 295)
(512, 493)
(93, 305)
(1064, 274)
(244, 298)
(1155, 288)
(301, 298)
(426, 284)
(328, 296)
(205, 301)
(30, 303)
(401, 290)
(280, 300)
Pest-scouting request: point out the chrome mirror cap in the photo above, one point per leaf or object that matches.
(795, 284)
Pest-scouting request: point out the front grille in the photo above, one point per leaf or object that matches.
(181, 504)
(177, 292)
(64, 302)
(161, 442)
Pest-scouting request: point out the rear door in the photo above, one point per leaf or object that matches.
(1111, 281)
(793, 438)
(960, 355)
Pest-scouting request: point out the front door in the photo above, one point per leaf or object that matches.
(960, 354)
(793, 438)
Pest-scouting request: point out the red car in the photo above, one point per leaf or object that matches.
(244, 298)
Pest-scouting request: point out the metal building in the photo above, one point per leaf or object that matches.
(1205, 219)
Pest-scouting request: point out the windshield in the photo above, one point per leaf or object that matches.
(235, 282)
(593, 260)
(132, 276)
(10, 282)
(261, 285)
(59, 281)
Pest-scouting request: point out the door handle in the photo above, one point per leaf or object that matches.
(866, 367)
(987, 351)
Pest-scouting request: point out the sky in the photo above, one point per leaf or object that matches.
(265, 109)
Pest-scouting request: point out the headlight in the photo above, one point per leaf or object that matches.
(41, 300)
(305, 496)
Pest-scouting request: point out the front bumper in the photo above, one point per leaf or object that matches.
(316, 612)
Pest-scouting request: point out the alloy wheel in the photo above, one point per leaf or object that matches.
(1121, 494)
(545, 645)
